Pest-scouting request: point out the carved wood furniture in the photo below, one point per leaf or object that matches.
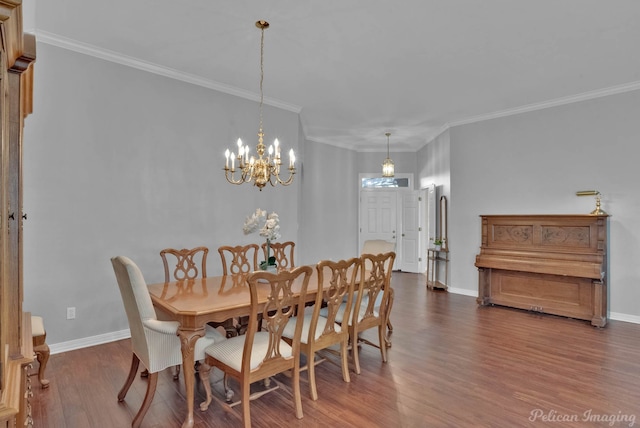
(333, 304)
(556, 264)
(17, 54)
(194, 303)
(283, 252)
(258, 355)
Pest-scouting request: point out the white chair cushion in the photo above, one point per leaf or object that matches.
(290, 328)
(211, 336)
(230, 351)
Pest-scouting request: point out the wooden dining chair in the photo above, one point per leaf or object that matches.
(191, 264)
(154, 342)
(242, 259)
(322, 324)
(380, 246)
(370, 311)
(258, 355)
(283, 252)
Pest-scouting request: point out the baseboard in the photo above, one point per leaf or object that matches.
(86, 342)
(617, 316)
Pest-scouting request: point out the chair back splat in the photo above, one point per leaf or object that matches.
(283, 252)
(242, 259)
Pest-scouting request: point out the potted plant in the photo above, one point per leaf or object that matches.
(437, 244)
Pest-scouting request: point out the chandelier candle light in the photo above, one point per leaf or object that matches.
(264, 169)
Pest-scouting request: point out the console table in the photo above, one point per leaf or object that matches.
(555, 264)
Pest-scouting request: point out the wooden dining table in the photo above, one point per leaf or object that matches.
(194, 303)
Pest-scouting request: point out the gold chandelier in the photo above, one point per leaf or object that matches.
(387, 165)
(264, 169)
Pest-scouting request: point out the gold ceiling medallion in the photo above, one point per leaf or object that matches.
(387, 165)
(264, 169)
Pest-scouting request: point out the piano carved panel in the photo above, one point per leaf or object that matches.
(555, 264)
(568, 236)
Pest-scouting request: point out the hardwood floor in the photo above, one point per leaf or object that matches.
(452, 364)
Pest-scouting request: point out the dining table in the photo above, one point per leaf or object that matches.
(195, 302)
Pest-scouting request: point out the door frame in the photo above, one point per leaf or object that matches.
(399, 190)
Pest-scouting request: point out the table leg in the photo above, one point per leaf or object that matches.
(187, 344)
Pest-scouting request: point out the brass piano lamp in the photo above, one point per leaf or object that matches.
(598, 210)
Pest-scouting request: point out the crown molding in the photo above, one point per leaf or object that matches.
(118, 58)
(612, 90)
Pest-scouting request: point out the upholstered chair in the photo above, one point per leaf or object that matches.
(153, 342)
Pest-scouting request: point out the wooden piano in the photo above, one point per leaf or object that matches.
(555, 264)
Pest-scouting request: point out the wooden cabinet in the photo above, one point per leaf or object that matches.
(17, 54)
(555, 264)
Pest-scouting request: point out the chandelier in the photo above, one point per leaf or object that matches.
(387, 165)
(264, 169)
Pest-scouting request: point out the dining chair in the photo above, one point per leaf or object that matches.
(153, 342)
(380, 246)
(283, 252)
(322, 324)
(242, 259)
(370, 311)
(258, 355)
(191, 264)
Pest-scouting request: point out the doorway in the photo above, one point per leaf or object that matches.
(400, 215)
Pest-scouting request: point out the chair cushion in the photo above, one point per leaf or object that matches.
(230, 351)
(211, 336)
(37, 326)
(290, 328)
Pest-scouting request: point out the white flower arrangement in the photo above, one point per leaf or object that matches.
(270, 230)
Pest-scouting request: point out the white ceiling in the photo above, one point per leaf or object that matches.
(357, 69)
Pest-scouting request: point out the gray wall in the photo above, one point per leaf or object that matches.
(119, 161)
(533, 163)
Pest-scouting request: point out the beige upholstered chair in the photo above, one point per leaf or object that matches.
(242, 259)
(367, 313)
(257, 355)
(283, 252)
(153, 342)
(191, 264)
(379, 246)
(321, 328)
(40, 347)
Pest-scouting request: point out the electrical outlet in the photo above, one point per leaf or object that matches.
(71, 313)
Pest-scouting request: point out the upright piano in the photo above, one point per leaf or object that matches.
(555, 264)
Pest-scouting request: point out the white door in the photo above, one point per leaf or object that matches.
(410, 232)
(378, 215)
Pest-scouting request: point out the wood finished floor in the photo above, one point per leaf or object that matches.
(452, 364)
